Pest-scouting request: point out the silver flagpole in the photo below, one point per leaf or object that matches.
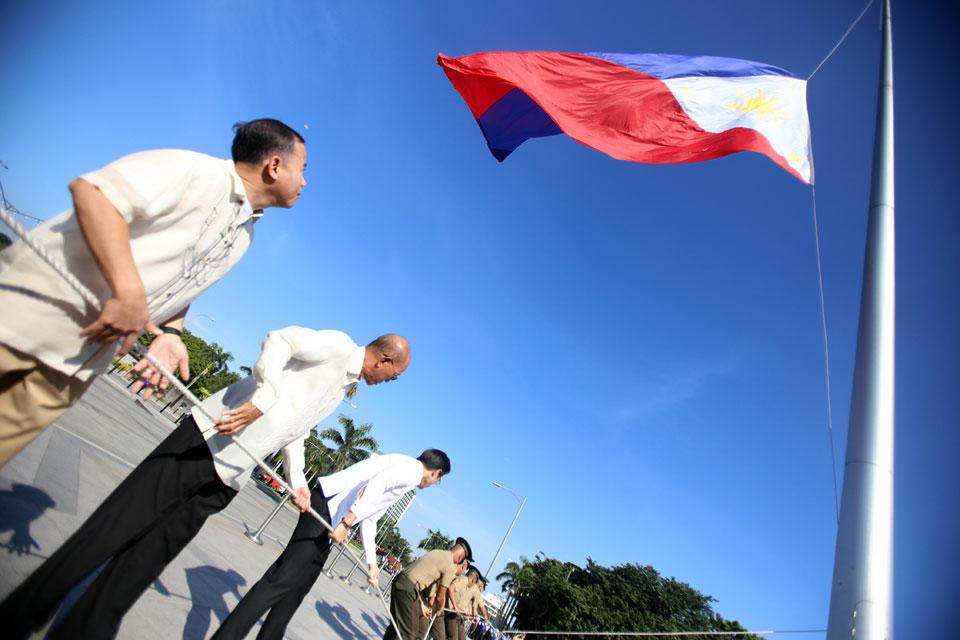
(861, 599)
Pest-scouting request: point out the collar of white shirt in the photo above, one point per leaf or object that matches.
(239, 194)
(355, 365)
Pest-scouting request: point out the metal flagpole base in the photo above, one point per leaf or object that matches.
(254, 536)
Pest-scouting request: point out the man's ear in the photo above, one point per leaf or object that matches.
(271, 169)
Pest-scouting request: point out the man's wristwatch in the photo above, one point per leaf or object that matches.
(172, 330)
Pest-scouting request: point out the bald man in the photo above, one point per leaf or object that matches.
(299, 379)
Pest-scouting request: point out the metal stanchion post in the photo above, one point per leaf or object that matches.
(343, 549)
(383, 564)
(255, 535)
(346, 578)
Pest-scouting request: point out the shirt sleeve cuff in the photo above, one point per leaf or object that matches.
(293, 464)
(368, 532)
(297, 479)
(264, 398)
(112, 192)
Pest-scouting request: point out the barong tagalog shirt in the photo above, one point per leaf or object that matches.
(189, 223)
(368, 488)
(299, 379)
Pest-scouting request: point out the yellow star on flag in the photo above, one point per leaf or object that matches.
(762, 105)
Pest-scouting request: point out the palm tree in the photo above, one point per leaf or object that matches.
(517, 574)
(319, 457)
(220, 357)
(510, 575)
(352, 446)
(435, 540)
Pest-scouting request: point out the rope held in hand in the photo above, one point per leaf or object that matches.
(92, 300)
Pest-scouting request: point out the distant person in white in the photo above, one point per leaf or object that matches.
(361, 494)
(153, 514)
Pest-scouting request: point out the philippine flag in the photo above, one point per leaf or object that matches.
(641, 107)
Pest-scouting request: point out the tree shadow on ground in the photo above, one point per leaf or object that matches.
(340, 621)
(208, 585)
(20, 506)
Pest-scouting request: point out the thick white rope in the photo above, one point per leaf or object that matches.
(92, 300)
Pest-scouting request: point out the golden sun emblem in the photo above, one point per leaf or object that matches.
(764, 106)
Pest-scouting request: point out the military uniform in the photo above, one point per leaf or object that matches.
(412, 587)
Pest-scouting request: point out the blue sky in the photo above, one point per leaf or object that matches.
(636, 348)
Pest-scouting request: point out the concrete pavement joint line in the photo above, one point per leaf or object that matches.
(131, 465)
(163, 612)
(96, 446)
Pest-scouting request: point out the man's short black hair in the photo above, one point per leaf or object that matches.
(435, 459)
(254, 140)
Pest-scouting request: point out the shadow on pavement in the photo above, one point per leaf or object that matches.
(20, 506)
(339, 620)
(207, 586)
(379, 622)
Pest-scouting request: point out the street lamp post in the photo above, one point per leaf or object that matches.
(523, 501)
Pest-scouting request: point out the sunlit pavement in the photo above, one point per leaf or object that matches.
(54, 484)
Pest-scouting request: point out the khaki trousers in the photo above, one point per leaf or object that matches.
(32, 396)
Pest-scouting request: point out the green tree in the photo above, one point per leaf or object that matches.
(560, 596)
(208, 362)
(435, 540)
(351, 446)
(394, 543)
(318, 456)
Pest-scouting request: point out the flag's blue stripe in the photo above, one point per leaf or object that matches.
(665, 66)
(513, 119)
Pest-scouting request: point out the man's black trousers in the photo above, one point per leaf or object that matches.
(147, 520)
(287, 582)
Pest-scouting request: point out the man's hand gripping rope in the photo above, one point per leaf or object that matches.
(92, 300)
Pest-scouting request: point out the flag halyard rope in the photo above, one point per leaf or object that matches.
(840, 41)
(826, 355)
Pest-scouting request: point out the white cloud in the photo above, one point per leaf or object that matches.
(661, 392)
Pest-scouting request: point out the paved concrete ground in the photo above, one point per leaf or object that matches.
(48, 490)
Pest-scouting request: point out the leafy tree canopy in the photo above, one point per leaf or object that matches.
(393, 541)
(351, 446)
(208, 360)
(435, 540)
(560, 596)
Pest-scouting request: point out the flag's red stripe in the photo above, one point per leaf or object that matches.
(603, 105)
